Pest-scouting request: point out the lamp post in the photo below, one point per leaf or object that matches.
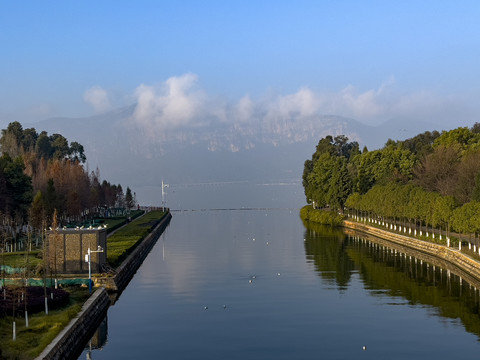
(88, 258)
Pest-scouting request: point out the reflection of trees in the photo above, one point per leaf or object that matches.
(416, 281)
(325, 245)
(387, 272)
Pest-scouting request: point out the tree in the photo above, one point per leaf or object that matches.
(43, 146)
(129, 201)
(37, 211)
(50, 200)
(434, 173)
(16, 186)
(30, 138)
(77, 153)
(11, 140)
(59, 146)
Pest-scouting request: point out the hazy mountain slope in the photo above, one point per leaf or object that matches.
(131, 154)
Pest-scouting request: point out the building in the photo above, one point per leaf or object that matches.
(67, 250)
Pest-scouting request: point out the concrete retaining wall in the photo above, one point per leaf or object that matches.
(446, 257)
(70, 342)
(130, 265)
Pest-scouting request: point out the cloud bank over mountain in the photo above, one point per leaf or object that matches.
(98, 98)
(181, 103)
(176, 131)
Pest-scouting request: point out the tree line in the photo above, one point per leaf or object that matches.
(431, 180)
(41, 173)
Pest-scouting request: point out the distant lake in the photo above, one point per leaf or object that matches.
(258, 284)
(227, 195)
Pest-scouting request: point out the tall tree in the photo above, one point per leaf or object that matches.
(129, 201)
(16, 185)
(77, 152)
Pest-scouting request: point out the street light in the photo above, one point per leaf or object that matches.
(88, 258)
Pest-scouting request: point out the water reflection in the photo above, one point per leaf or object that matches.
(386, 271)
(98, 340)
(336, 293)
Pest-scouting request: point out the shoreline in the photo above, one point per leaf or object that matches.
(439, 255)
(70, 341)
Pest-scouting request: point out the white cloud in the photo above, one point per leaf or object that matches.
(244, 109)
(303, 103)
(175, 103)
(98, 98)
(179, 102)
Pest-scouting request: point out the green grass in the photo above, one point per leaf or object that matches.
(18, 260)
(42, 329)
(124, 240)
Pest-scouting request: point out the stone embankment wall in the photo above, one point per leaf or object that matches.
(70, 342)
(440, 255)
(130, 265)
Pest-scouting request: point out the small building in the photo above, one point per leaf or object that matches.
(66, 249)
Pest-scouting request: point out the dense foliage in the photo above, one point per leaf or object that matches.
(307, 213)
(431, 180)
(41, 173)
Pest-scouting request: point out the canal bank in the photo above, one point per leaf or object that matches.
(439, 255)
(123, 274)
(70, 342)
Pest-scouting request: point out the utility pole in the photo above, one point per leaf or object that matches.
(163, 193)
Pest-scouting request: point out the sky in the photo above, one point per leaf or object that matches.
(368, 60)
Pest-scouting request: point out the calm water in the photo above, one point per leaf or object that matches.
(258, 284)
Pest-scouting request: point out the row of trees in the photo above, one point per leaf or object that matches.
(40, 173)
(432, 179)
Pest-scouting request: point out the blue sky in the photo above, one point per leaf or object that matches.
(370, 60)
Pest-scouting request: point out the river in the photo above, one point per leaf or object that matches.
(240, 278)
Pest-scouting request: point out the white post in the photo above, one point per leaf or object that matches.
(90, 269)
(14, 331)
(26, 319)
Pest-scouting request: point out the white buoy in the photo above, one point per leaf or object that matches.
(364, 347)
